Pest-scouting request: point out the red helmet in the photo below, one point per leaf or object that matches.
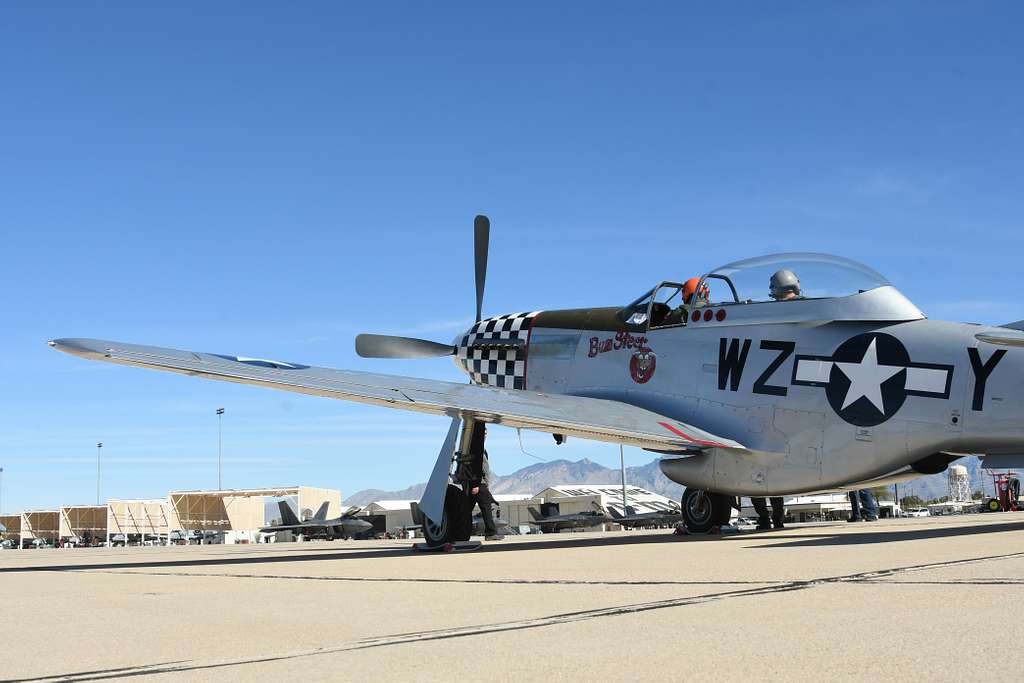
(690, 286)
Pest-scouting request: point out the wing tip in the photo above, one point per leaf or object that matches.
(88, 348)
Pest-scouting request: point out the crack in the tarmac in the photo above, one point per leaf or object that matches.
(951, 582)
(385, 579)
(138, 670)
(876, 576)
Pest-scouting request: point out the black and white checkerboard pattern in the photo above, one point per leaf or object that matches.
(497, 366)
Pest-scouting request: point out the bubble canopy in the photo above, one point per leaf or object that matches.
(821, 276)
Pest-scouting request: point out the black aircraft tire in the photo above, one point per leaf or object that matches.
(453, 525)
(698, 510)
(435, 534)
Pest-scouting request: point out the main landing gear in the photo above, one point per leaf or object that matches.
(452, 527)
(704, 510)
(457, 517)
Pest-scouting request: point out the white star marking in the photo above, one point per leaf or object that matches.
(866, 378)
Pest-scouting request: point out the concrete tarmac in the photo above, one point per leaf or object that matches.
(929, 599)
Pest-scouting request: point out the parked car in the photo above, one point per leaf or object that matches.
(918, 512)
(118, 539)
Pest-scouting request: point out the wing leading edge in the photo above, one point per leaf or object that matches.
(588, 418)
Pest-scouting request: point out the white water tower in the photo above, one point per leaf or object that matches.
(959, 484)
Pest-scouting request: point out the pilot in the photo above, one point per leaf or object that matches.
(476, 476)
(778, 512)
(784, 286)
(691, 297)
(690, 288)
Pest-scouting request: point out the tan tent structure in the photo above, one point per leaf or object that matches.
(88, 523)
(40, 524)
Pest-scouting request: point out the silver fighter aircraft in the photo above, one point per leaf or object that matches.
(776, 375)
(576, 520)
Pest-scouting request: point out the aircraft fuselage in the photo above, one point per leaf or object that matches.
(820, 403)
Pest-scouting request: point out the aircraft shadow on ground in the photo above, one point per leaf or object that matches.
(786, 539)
(804, 540)
(330, 554)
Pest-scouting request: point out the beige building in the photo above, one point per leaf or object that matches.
(237, 513)
(140, 518)
(240, 513)
(40, 524)
(244, 508)
(87, 523)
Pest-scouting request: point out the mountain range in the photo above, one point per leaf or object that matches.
(537, 477)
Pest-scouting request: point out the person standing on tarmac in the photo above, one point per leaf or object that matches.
(867, 501)
(476, 480)
(778, 512)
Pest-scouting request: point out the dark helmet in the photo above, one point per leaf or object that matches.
(783, 282)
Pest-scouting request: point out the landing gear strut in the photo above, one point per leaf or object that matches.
(457, 520)
(703, 510)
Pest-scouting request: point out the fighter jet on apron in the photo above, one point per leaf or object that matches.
(775, 375)
(318, 526)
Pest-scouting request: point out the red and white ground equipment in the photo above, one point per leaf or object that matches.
(1007, 487)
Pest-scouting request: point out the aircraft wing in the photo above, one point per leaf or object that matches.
(588, 418)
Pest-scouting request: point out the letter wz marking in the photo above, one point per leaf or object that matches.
(981, 374)
(731, 360)
(785, 349)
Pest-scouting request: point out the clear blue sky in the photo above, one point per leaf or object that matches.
(259, 179)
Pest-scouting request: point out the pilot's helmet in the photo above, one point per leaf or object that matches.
(690, 286)
(783, 283)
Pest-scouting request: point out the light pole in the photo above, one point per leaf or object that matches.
(99, 447)
(220, 446)
(622, 465)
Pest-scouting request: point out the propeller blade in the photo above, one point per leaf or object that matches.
(384, 346)
(481, 237)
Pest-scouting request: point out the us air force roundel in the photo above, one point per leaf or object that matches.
(869, 377)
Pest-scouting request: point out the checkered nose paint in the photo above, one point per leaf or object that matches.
(493, 352)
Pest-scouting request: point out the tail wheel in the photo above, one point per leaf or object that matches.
(703, 510)
(994, 505)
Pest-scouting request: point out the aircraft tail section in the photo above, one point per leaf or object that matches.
(321, 514)
(288, 517)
